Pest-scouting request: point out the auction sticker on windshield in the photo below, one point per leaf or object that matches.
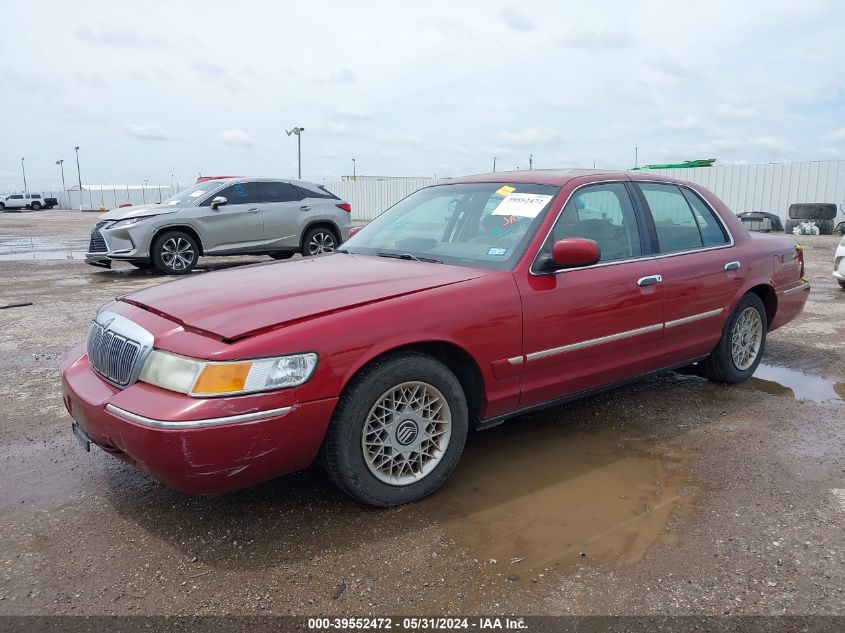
(526, 205)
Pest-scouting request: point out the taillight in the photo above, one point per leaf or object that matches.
(345, 206)
(799, 252)
(354, 230)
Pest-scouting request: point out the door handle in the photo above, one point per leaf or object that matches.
(253, 210)
(732, 266)
(650, 280)
(304, 207)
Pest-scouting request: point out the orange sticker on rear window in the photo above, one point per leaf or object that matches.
(503, 191)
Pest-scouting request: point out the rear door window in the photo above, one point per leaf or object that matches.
(277, 192)
(674, 222)
(712, 231)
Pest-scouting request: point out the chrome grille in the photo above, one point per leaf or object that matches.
(117, 348)
(98, 243)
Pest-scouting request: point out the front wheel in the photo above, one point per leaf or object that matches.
(398, 430)
(743, 342)
(36, 206)
(842, 284)
(318, 241)
(175, 253)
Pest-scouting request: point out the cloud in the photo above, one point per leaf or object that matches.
(208, 71)
(342, 76)
(116, 37)
(351, 114)
(771, 144)
(729, 111)
(148, 132)
(594, 39)
(516, 20)
(672, 67)
(400, 138)
(237, 138)
(529, 136)
(836, 136)
(688, 122)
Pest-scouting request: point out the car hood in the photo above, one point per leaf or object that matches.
(139, 210)
(238, 302)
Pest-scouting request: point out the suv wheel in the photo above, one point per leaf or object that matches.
(175, 253)
(398, 430)
(36, 206)
(318, 241)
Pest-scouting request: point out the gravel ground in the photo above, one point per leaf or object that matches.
(671, 496)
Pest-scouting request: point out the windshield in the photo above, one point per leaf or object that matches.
(192, 195)
(480, 225)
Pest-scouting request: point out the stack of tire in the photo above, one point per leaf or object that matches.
(821, 213)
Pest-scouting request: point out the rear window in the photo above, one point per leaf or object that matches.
(315, 191)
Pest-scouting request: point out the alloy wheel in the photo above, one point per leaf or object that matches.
(321, 242)
(406, 433)
(177, 253)
(746, 338)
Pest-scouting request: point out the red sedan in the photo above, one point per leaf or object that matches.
(467, 303)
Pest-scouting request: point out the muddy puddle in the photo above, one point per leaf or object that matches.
(557, 496)
(782, 381)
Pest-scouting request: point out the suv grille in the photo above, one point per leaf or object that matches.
(112, 355)
(97, 243)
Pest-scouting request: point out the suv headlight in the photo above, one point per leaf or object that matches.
(205, 378)
(122, 224)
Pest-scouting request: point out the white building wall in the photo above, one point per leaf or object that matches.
(770, 187)
(369, 198)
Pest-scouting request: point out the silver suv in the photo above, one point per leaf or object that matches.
(235, 216)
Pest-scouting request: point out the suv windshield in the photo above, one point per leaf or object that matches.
(480, 225)
(192, 195)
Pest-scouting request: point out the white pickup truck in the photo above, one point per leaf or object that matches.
(27, 201)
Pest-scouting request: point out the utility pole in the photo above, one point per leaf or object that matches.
(298, 131)
(79, 176)
(23, 168)
(494, 164)
(354, 174)
(530, 162)
(61, 164)
(636, 157)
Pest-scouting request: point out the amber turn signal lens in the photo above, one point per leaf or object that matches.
(222, 378)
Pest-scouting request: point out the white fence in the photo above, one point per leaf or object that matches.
(369, 198)
(769, 187)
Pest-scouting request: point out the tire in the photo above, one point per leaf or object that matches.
(141, 264)
(281, 255)
(725, 367)
(353, 468)
(318, 240)
(36, 206)
(812, 211)
(842, 285)
(167, 249)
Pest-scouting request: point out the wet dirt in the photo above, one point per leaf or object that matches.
(685, 497)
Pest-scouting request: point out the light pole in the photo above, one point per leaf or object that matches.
(23, 169)
(144, 190)
(354, 175)
(494, 164)
(298, 131)
(61, 164)
(530, 162)
(79, 176)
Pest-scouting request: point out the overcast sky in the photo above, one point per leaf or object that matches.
(149, 89)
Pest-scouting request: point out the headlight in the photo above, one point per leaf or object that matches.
(122, 224)
(203, 378)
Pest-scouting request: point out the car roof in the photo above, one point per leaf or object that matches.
(557, 177)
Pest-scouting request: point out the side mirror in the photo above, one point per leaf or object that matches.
(218, 201)
(573, 252)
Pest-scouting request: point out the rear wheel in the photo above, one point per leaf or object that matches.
(318, 240)
(36, 206)
(175, 253)
(741, 347)
(398, 430)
